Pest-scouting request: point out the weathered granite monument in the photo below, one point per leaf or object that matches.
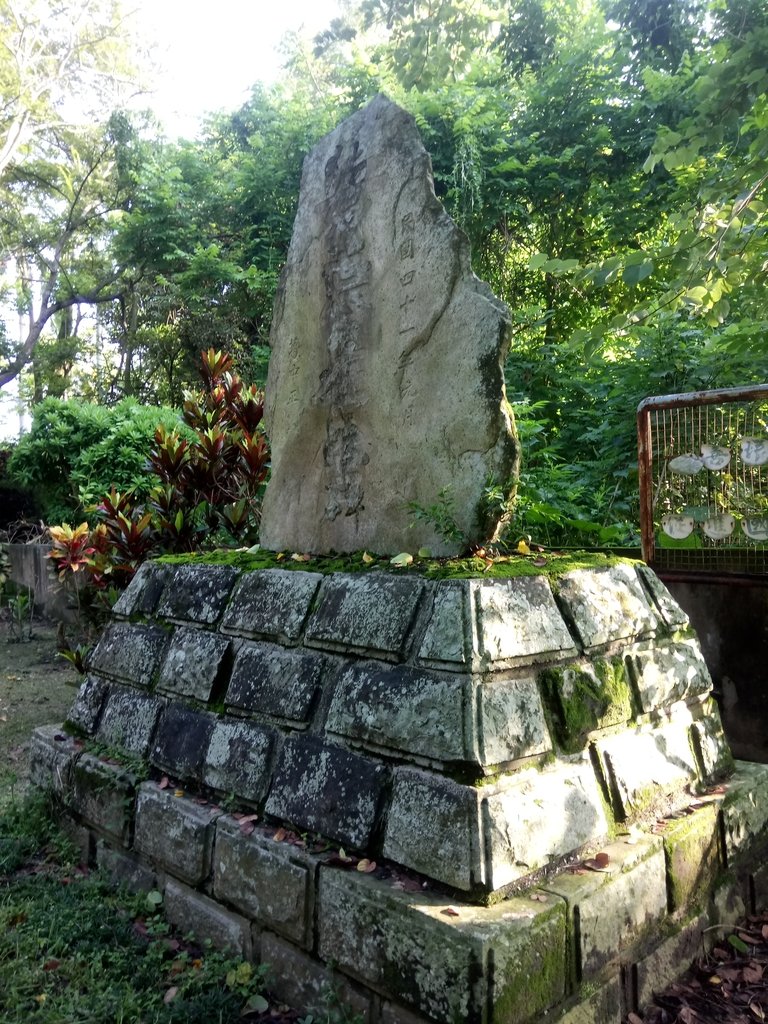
(477, 799)
(385, 382)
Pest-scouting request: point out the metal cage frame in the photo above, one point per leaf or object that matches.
(674, 426)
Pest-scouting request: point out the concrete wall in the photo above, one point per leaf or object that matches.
(31, 567)
(731, 619)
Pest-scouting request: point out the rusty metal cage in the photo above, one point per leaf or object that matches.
(703, 468)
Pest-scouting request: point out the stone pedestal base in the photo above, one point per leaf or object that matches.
(476, 739)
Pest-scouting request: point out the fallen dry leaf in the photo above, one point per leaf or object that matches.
(450, 912)
(366, 866)
(594, 865)
(170, 995)
(280, 835)
(164, 783)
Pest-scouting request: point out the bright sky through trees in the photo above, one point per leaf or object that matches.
(204, 58)
(207, 56)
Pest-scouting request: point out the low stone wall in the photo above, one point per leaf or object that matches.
(31, 568)
(477, 739)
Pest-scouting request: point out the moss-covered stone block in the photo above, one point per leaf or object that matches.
(669, 960)
(103, 796)
(270, 882)
(273, 603)
(141, 595)
(402, 709)
(181, 741)
(711, 742)
(129, 652)
(86, 710)
(175, 832)
(607, 606)
(667, 673)
(593, 1004)
(268, 681)
(585, 697)
(454, 963)
(321, 787)
(238, 759)
(612, 910)
(52, 755)
(692, 850)
(516, 622)
(650, 768)
(372, 613)
(128, 720)
(195, 660)
(745, 810)
(434, 826)
(197, 593)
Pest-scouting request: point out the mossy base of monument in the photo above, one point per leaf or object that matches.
(405, 782)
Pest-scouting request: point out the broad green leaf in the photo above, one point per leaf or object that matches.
(637, 272)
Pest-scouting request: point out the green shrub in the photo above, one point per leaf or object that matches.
(76, 451)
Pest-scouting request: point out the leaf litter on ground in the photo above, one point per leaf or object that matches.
(727, 985)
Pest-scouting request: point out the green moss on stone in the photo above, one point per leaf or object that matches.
(692, 851)
(537, 978)
(501, 567)
(582, 699)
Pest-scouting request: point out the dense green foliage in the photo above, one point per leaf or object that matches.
(608, 161)
(76, 451)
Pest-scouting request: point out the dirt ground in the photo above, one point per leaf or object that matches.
(37, 687)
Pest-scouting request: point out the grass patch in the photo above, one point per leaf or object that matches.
(74, 949)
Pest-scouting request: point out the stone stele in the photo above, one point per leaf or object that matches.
(385, 386)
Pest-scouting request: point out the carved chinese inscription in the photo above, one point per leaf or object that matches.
(385, 385)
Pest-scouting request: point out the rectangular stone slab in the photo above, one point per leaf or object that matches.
(268, 881)
(370, 613)
(197, 593)
(238, 759)
(268, 680)
(437, 958)
(175, 832)
(326, 789)
(130, 653)
(273, 603)
(128, 720)
(192, 663)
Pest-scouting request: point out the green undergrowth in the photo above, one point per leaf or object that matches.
(496, 566)
(74, 948)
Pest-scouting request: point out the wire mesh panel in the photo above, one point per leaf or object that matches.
(703, 460)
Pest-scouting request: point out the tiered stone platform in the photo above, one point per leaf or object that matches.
(479, 739)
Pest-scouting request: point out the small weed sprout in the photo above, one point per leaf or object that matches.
(441, 515)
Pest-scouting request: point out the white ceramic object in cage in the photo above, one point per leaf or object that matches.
(677, 527)
(756, 528)
(715, 456)
(719, 527)
(754, 451)
(687, 465)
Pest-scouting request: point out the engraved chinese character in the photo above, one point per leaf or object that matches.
(407, 277)
(406, 249)
(408, 224)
